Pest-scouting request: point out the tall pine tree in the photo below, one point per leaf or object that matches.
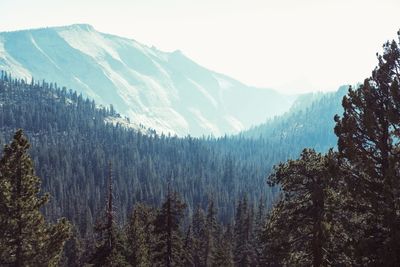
(199, 230)
(244, 253)
(301, 231)
(26, 239)
(110, 247)
(211, 233)
(140, 237)
(369, 139)
(168, 250)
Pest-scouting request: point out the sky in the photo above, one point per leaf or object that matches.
(293, 46)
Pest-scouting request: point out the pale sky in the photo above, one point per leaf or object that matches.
(289, 45)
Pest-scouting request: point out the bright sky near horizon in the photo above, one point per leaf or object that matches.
(289, 45)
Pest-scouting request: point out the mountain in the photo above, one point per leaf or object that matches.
(72, 143)
(309, 123)
(164, 91)
(72, 146)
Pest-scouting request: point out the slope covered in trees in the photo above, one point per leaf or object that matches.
(341, 208)
(71, 144)
(26, 239)
(309, 123)
(151, 236)
(167, 90)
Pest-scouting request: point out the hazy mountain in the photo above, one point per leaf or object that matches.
(72, 146)
(309, 123)
(164, 91)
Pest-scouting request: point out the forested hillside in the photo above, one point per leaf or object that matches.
(200, 202)
(166, 91)
(307, 124)
(72, 145)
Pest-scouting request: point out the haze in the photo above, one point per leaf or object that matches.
(291, 45)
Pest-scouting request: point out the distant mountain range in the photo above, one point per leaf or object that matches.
(71, 144)
(309, 123)
(164, 91)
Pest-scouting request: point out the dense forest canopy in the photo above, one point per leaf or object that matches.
(173, 201)
(71, 144)
(307, 124)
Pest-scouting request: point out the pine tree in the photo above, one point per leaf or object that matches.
(25, 237)
(139, 233)
(275, 238)
(368, 133)
(239, 241)
(223, 248)
(110, 247)
(243, 232)
(199, 237)
(259, 222)
(73, 251)
(168, 250)
(300, 230)
(211, 232)
(188, 248)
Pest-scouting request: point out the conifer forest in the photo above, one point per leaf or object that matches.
(316, 186)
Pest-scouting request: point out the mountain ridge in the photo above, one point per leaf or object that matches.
(165, 91)
(310, 123)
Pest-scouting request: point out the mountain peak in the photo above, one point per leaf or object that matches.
(177, 52)
(167, 92)
(80, 26)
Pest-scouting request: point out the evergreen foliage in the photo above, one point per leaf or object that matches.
(369, 140)
(199, 231)
(211, 230)
(110, 247)
(244, 253)
(334, 209)
(26, 239)
(71, 144)
(224, 248)
(168, 250)
(310, 126)
(342, 209)
(73, 251)
(140, 235)
(301, 229)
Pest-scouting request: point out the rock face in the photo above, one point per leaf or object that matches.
(164, 91)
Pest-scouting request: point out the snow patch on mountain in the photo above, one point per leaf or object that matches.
(44, 54)
(223, 83)
(9, 64)
(235, 123)
(204, 92)
(88, 41)
(164, 91)
(204, 123)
